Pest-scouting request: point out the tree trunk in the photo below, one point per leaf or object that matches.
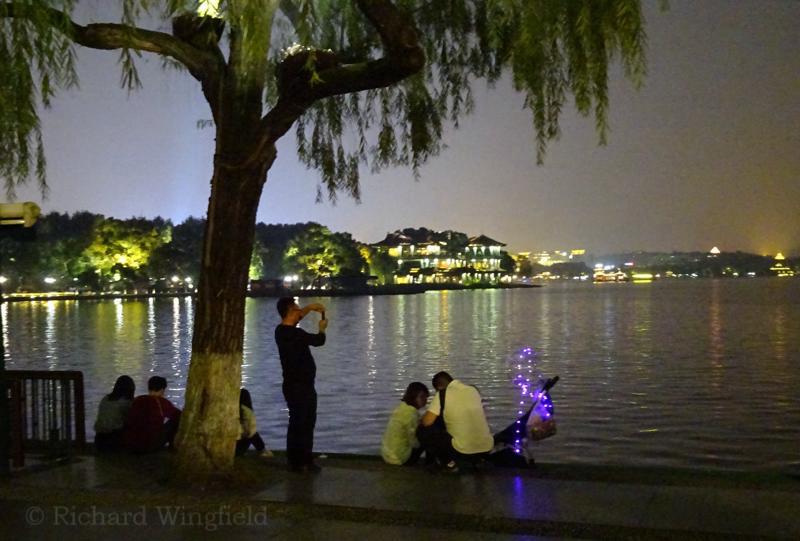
(209, 424)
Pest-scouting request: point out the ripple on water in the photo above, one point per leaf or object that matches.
(676, 373)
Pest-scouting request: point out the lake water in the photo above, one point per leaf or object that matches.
(699, 373)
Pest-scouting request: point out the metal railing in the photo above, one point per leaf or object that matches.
(47, 412)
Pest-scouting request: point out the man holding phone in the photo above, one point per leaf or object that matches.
(299, 372)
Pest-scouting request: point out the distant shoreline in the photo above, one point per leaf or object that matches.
(398, 289)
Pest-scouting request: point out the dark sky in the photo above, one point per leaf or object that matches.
(706, 153)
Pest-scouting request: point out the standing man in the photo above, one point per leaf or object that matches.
(299, 372)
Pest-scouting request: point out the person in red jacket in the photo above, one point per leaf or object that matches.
(152, 420)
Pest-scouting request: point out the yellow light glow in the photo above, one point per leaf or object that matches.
(208, 8)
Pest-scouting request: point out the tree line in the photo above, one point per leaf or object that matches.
(86, 251)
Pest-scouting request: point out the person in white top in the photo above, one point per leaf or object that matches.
(467, 432)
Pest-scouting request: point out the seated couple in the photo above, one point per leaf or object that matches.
(143, 424)
(454, 426)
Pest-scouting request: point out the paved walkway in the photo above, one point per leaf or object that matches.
(360, 498)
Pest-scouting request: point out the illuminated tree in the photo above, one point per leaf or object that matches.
(272, 241)
(380, 263)
(60, 242)
(121, 248)
(317, 253)
(365, 82)
(256, 271)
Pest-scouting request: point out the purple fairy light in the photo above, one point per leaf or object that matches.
(526, 380)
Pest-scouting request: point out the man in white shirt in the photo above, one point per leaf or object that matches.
(467, 432)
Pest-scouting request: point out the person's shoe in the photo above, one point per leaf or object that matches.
(451, 467)
(295, 469)
(266, 453)
(311, 468)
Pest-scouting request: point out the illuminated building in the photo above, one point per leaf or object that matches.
(558, 256)
(780, 269)
(425, 256)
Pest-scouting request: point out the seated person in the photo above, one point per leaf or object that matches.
(248, 435)
(465, 430)
(399, 444)
(152, 420)
(111, 415)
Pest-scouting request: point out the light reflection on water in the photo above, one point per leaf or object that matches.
(695, 373)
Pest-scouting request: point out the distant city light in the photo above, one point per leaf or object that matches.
(188, 280)
(175, 279)
(49, 280)
(3, 279)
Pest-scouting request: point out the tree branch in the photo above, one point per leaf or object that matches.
(202, 64)
(403, 57)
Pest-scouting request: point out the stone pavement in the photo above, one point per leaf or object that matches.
(361, 498)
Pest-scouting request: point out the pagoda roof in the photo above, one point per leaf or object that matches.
(413, 236)
(394, 239)
(483, 240)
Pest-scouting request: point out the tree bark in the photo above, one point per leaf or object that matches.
(209, 424)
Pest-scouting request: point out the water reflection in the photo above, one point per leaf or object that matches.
(650, 374)
(4, 316)
(717, 346)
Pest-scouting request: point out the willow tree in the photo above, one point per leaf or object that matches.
(365, 83)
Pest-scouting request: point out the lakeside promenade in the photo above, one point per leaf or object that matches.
(357, 497)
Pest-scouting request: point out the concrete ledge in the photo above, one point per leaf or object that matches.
(554, 500)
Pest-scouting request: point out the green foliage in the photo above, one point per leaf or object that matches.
(256, 270)
(380, 263)
(317, 252)
(550, 48)
(55, 251)
(507, 262)
(271, 242)
(120, 248)
(35, 60)
(181, 256)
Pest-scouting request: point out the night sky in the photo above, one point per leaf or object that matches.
(706, 153)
